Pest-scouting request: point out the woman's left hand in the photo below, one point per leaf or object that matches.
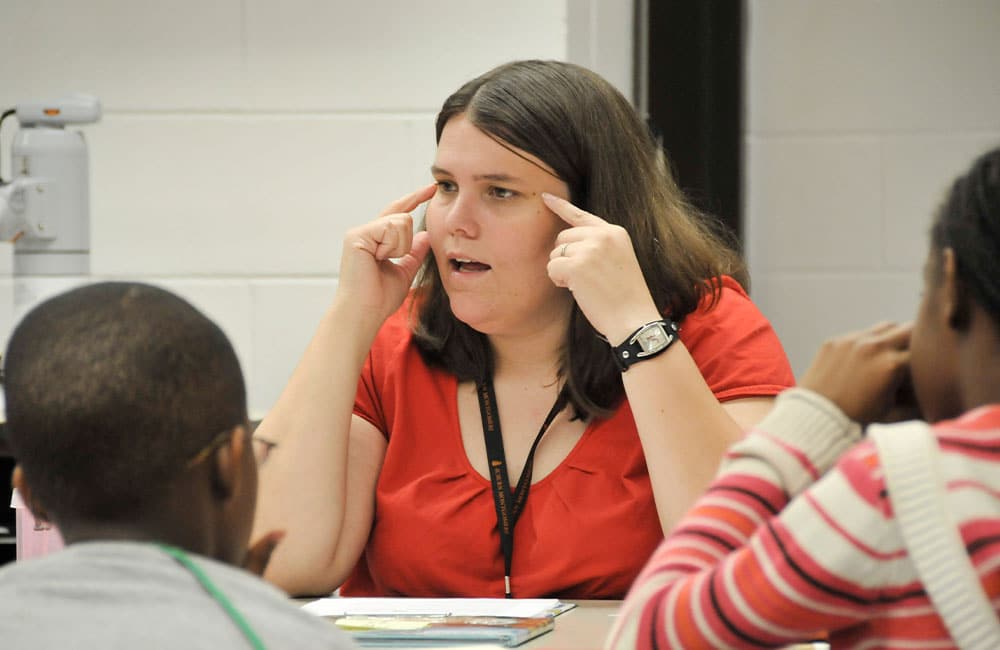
(595, 260)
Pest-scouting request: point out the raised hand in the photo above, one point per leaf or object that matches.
(595, 260)
(862, 372)
(381, 258)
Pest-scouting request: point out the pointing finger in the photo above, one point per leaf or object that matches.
(411, 200)
(569, 213)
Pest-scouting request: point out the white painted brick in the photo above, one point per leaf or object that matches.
(242, 195)
(6, 259)
(809, 66)
(284, 317)
(389, 55)
(813, 203)
(918, 77)
(300, 55)
(862, 65)
(939, 64)
(919, 169)
(600, 36)
(131, 54)
(807, 308)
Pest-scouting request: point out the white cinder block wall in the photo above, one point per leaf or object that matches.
(859, 114)
(242, 138)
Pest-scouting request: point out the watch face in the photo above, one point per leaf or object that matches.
(652, 338)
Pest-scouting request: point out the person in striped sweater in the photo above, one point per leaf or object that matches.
(796, 537)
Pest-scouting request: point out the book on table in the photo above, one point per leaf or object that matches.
(442, 630)
(440, 621)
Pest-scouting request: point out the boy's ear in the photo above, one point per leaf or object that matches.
(954, 298)
(17, 480)
(22, 487)
(228, 466)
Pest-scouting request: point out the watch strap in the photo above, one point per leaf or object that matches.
(659, 335)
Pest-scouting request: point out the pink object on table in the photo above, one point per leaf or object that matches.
(34, 538)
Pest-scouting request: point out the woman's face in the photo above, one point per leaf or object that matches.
(491, 233)
(933, 352)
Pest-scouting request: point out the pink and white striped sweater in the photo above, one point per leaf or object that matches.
(779, 549)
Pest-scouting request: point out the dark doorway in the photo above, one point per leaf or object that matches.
(689, 78)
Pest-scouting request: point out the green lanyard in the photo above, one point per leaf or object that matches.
(209, 586)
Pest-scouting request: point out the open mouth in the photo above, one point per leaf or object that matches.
(468, 266)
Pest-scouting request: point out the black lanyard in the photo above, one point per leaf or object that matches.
(507, 513)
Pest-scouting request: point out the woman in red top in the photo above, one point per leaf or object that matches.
(557, 261)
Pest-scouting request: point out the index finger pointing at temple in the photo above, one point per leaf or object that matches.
(410, 201)
(569, 213)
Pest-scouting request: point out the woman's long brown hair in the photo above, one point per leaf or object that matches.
(585, 130)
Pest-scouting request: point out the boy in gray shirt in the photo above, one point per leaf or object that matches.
(126, 411)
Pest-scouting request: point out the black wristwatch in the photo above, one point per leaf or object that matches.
(645, 343)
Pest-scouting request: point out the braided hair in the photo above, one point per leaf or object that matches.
(968, 222)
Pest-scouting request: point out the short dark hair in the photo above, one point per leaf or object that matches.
(587, 132)
(968, 222)
(110, 389)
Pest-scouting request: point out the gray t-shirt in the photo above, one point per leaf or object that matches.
(131, 595)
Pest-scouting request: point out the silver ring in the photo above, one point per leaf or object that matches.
(562, 251)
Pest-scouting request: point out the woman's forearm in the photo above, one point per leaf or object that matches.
(683, 429)
(303, 483)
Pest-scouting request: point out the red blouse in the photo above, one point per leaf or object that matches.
(587, 528)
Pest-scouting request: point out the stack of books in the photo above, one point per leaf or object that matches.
(440, 621)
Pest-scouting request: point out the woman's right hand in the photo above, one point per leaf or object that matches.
(370, 280)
